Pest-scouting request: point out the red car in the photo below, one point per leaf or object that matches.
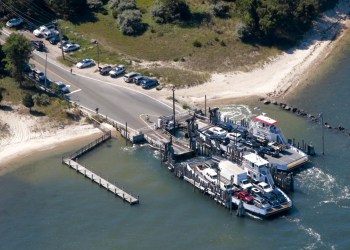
(244, 196)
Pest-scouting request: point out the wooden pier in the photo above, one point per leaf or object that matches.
(100, 181)
(70, 160)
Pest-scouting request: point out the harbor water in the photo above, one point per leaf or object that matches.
(46, 205)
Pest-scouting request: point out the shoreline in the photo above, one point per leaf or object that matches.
(29, 137)
(284, 73)
(275, 80)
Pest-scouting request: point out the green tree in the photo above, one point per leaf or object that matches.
(28, 101)
(169, 11)
(68, 9)
(18, 50)
(129, 22)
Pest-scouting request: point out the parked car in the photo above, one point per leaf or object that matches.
(62, 87)
(38, 45)
(104, 70)
(218, 131)
(38, 75)
(71, 47)
(225, 125)
(129, 78)
(262, 203)
(64, 43)
(244, 196)
(120, 69)
(50, 33)
(14, 22)
(138, 79)
(39, 32)
(233, 136)
(85, 63)
(148, 83)
(265, 187)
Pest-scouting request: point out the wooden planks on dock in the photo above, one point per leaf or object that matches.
(100, 181)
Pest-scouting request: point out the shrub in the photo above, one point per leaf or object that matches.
(41, 100)
(222, 43)
(129, 22)
(168, 11)
(219, 9)
(115, 13)
(28, 101)
(113, 4)
(197, 44)
(127, 5)
(94, 4)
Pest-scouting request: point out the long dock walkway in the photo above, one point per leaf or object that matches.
(100, 181)
(70, 160)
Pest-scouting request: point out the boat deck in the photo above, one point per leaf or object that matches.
(288, 160)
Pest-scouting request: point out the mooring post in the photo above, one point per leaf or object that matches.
(126, 133)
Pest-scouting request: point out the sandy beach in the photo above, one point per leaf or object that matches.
(280, 74)
(24, 135)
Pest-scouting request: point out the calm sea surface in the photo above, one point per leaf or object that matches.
(45, 205)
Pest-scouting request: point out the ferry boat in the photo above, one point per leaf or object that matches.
(249, 184)
(264, 129)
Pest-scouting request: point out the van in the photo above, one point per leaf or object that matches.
(129, 78)
(104, 70)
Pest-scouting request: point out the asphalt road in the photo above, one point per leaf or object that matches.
(118, 102)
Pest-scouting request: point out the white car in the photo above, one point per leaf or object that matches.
(50, 33)
(218, 132)
(14, 22)
(265, 187)
(120, 69)
(233, 136)
(39, 32)
(71, 47)
(85, 63)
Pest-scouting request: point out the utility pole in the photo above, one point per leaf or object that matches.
(60, 34)
(45, 70)
(174, 109)
(205, 105)
(322, 124)
(98, 54)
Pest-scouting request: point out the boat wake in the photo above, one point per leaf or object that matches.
(317, 240)
(331, 191)
(235, 112)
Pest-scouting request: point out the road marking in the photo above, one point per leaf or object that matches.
(103, 82)
(74, 91)
(94, 79)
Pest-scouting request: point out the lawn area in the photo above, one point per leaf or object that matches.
(218, 47)
(13, 95)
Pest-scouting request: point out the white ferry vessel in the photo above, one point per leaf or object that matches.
(290, 157)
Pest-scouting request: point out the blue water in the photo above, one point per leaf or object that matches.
(45, 205)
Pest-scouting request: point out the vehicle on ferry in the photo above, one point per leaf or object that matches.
(289, 156)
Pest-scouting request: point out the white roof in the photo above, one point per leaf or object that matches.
(230, 168)
(210, 171)
(265, 119)
(256, 159)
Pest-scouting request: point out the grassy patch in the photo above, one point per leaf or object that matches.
(176, 77)
(207, 44)
(13, 94)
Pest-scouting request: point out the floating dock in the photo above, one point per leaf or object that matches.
(100, 181)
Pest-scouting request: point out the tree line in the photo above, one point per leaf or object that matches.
(271, 21)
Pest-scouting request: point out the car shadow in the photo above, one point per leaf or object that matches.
(6, 108)
(37, 113)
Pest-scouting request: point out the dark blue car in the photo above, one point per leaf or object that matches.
(148, 83)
